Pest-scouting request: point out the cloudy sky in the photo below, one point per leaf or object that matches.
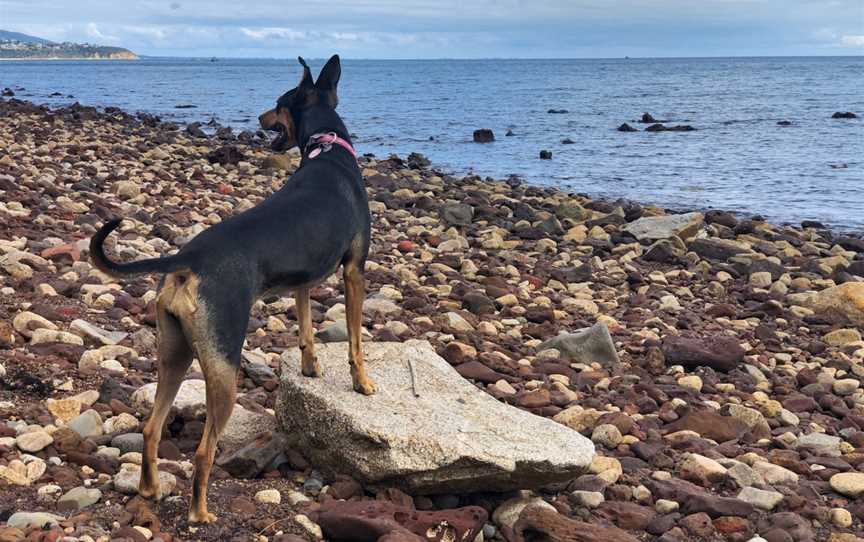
(449, 28)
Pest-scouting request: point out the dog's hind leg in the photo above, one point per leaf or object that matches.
(309, 362)
(220, 329)
(175, 356)
(354, 294)
(221, 376)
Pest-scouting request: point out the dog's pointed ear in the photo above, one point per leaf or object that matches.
(306, 80)
(329, 78)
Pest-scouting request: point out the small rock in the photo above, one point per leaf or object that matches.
(608, 435)
(78, 499)
(483, 135)
(269, 496)
(702, 470)
(850, 484)
(33, 520)
(87, 424)
(33, 441)
(127, 479)
(766, 500)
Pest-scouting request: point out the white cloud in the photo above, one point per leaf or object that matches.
(94, 33)
(153, 32)
(852, 41)
(274, 33)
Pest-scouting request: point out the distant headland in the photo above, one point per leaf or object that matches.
(17, 46)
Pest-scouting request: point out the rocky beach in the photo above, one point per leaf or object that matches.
(713, 362)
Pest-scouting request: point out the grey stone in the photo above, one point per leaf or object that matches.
(87, 424)
(190, 403)
(126, 481)
(766, 500)
(78, 498)
(250, 460)
(653, 228)
(585, 346)
(456, 214)
(96, 333)
(129, 442)
(335, 332)
(259, 372)
(452, 438)
(819, 444)
(743, 475)
(243, 426)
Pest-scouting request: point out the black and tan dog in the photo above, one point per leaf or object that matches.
(293, 240)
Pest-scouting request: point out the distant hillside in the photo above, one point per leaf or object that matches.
(17, 46)
(6, 35)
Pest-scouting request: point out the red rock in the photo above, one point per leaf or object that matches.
(405, 246)
(731, 524)
(69, 249)
(242, 506)
(627, 515)
(344, 488)
(534, 399)
(361, 521)
(710, 425)
(456, 352)
(698, 524)
(475, 370)
(720, 353)
(554, 527)
(226, 188)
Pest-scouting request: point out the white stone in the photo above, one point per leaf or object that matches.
(269, 496)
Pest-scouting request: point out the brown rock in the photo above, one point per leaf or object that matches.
(553, 527)
(361, 521)
(720, 353)
(710, 425)
(698, 524)
(627, 515)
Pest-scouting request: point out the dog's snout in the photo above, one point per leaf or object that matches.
(267, 119)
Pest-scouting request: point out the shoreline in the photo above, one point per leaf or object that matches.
(66, 58)
(733, 407)
(457, 171)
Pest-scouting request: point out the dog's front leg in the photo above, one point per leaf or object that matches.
(354, 294)
(309, 362)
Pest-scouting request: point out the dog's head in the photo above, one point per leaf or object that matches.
(285, 117)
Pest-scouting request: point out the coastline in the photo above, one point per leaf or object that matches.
(66, 58)
(735, 359)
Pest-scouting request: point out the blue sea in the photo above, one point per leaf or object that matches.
(738, 158)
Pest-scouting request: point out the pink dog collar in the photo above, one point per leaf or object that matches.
(326, 142)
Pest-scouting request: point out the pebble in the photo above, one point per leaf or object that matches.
(765, 500)
(33, 441)
(588, 499)
(269, 496)
(607, 435)
(87, 424)
(126, 480)
(78, 498)
(664, 506)
(850, 484)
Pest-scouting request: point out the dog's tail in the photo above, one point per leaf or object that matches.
(152, 265)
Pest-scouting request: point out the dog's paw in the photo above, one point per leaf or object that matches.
(366, 387)
(201, 517)
(150, 491)
(311, 369)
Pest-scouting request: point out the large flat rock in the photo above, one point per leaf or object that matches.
(452, 438)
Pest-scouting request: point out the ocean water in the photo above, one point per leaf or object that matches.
(738, 159)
